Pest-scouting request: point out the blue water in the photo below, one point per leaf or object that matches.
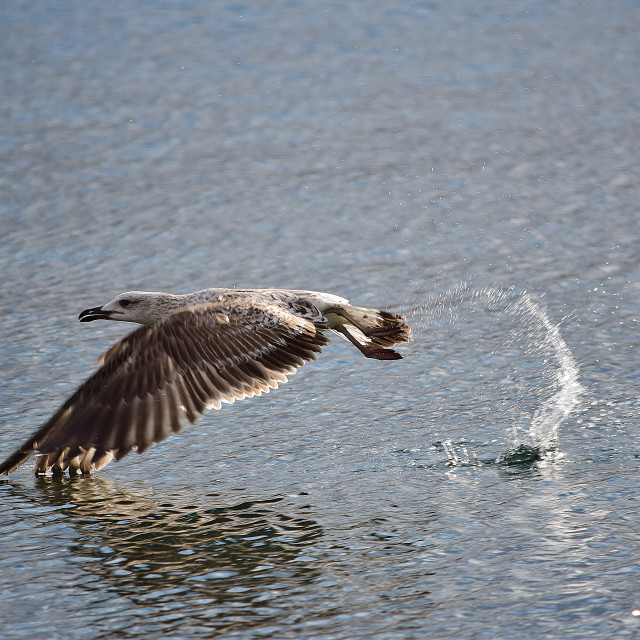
(474, 167)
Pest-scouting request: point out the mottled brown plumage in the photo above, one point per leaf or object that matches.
(192, 353)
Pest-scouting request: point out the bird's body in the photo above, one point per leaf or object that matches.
(194, 352)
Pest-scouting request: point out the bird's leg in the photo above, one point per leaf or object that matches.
(377, 353)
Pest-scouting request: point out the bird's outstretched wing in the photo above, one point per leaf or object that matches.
(157, 378)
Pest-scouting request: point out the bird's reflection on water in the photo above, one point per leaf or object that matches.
(206, 561)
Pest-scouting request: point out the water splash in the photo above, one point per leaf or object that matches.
(541, 438)
(507, 377)
(458, 454)
(543, 430)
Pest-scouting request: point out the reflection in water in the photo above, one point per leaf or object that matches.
(184, 563)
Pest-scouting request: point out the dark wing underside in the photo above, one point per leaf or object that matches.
(157, 378)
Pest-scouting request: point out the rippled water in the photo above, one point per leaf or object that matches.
(474, 168)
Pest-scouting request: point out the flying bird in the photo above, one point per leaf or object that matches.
(193, 352)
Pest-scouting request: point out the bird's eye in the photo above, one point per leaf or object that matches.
(125, 303)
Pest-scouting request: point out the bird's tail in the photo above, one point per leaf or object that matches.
(372, 331)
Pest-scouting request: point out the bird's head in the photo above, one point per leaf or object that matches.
(143, 307)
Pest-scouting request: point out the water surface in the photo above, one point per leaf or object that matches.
(474, 168)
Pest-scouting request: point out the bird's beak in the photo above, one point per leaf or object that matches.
(96, 313)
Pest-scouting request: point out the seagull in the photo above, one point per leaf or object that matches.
(193, 352)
